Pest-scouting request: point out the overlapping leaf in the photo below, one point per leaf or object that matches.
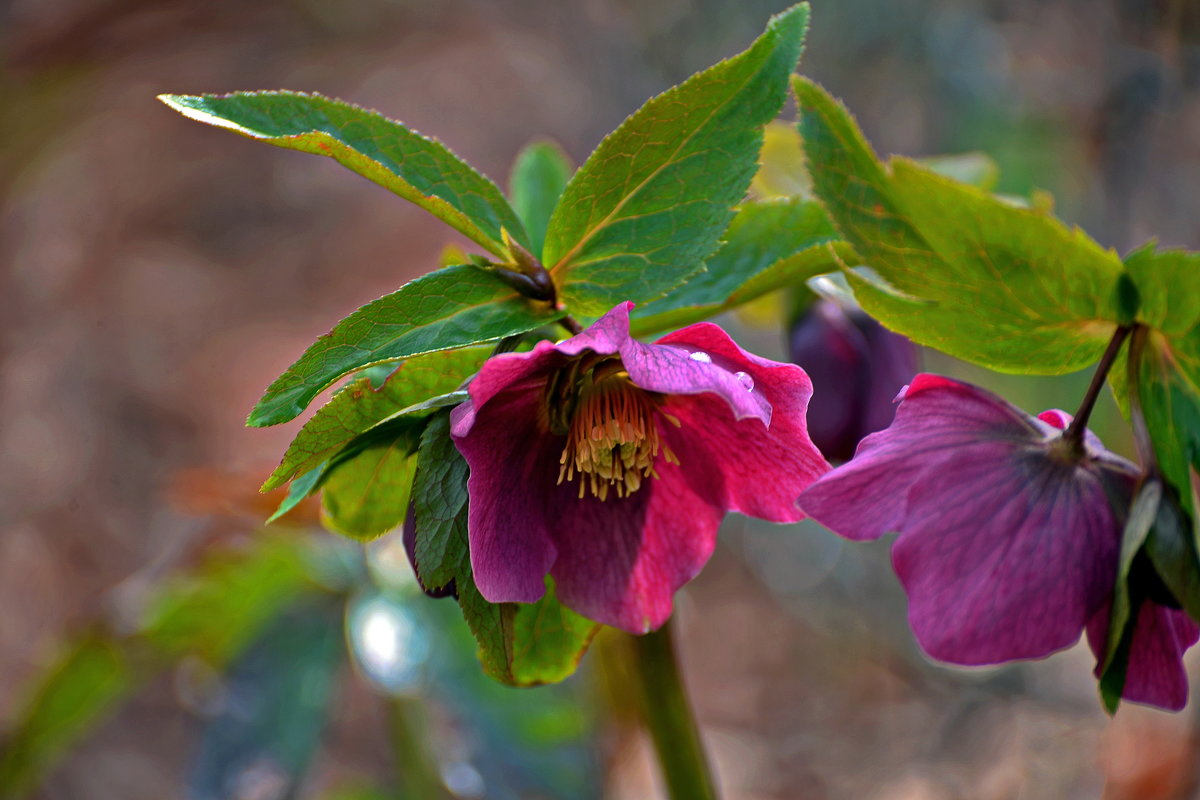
(519, 643)
(452, 307)
(539, 175)
(413, 166)
(366, 495)
(361, 404)
(954, 268)
(1171, 405)
(783, 171)
(762, 251)
(1122, 616)
(1168, 375)
(650, 204)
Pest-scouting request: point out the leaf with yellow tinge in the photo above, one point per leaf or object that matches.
(360, 405)
(650, 204)
(366, 495)
(417, 168)
(954, 268)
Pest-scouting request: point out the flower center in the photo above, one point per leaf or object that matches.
(612, 438)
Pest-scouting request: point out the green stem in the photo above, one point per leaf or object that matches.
(416, 765)
(668, 716)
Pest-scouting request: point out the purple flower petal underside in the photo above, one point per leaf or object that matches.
(1155, 674)
(1006, 547)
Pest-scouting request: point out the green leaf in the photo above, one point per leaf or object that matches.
(519, 643)
(762, 234)
(650, 204)
(1009, 288)
(782, 170)
(366, 495)
(1142, 514)
(1172, 550)
(1168, 286)
(1171, 405)
(452, 307)
(301, 487)
(417, 168)
(72, 697)
(362, 404)
(216, 610)
(539, 175)
(548, 639)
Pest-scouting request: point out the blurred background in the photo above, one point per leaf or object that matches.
(156, 274)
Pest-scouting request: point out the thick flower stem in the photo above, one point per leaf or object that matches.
(1074, 432)
(415, 763)
(667, 714)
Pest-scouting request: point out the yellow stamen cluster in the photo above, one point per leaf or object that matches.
(612, 438)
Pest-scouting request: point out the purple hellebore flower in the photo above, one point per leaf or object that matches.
(857, 367)
(609, 463)
(1008, 539)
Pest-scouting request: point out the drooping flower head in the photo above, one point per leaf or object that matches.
(856, 365)
(1008, 534)
(608, 463)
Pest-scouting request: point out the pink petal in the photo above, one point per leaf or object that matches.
(513, 466)
(1155, 674)
(523, 373)
(607, 335)
(868, 496)
(621, 560)
(1004, 557)
(679, 364)
(764, 467)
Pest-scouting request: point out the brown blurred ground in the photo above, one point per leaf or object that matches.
(155, 274)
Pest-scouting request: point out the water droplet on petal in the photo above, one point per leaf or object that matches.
(701, 356)
(745, 380)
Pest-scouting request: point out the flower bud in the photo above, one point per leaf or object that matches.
(857, 367)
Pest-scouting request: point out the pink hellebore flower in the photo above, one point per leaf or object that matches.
(1009, 538)
(608, 463)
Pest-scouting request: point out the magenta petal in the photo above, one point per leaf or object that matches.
(1004, 557)
(764, 466)
(678, 364)
(1155, 674)
(1005, 549)
(510, 538)
(606, 335)
(621, 560)
(939, 418)
(517, 372)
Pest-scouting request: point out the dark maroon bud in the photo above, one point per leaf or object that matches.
(857, 368)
